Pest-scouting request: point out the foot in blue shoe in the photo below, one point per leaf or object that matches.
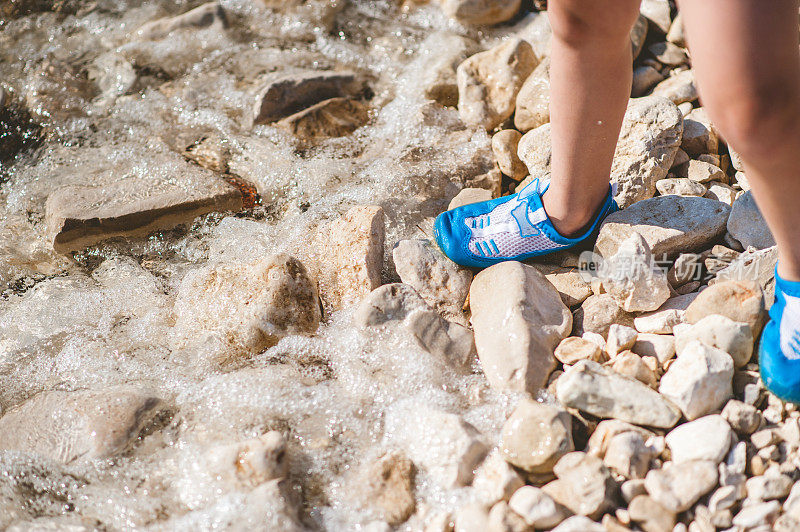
(514, 227)
(779, 350)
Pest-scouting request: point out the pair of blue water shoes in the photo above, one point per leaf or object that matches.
(516, 227)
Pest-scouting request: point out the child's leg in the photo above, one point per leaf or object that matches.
(590, 82)
(747, 65)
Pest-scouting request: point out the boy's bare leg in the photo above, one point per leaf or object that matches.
(590, 82)
(747, 65)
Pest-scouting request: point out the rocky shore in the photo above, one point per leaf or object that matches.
(222, 308)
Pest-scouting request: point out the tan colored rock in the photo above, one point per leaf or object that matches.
(606, 430)
(537, 508)
(747, 225)
(700, 172)
(434, 68)
(504, 147)
(740, 301)
(503, 519)
(678, 487)
(574, 348)
(678, 88)
(533, 100)
(336, 117)
(587, 482)
(495, 480)
(390, 487)
(632, 279)
(596, 390)
(241, 308)
(480, 12)
(721, 192)
(597, 314)
(468, 196)
(488, 82)
(350, 253)
(706, 438)
(536, 436)
(638, 35)
(680, 187)
(620, 338)
(669, 224)
(569, 283)
(631, 365)
(658, 13)
(518, 318)
(650, 515)
(535, 151)
(699, 134)
(676, 34)
(732, 337)
(628, 455)
(89, 424)
(661, 346)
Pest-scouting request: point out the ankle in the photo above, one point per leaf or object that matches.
(570, 218)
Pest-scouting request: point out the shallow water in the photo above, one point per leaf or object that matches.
(104, 316)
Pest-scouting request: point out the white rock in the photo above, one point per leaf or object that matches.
(445, 445)
(747, 225)
(206, 15)
(533, 100)
(495, 479)
(471, 518)
(591, 388)
(573, 349)
(658, 13)
(632, 365)
(699, 380)
(579, 523)
(755, 515)
(480, 12)
(721, 192)
(598, 313)
(723, 498)
(734, 338)
(488, 82)
(634, 282)
(518, 318)
(441, 283)
(769, 486)
(742, 417)
(650, 515)
(792, 504)
(535, 151)
(664, 320)
(537, 508)
(627, 455)
(679, 486)
(661, 346)
(504, 519)
(587, 484)
(536, 436)
(606, 430)
(706, 438)
(680, 186)
(434, 66)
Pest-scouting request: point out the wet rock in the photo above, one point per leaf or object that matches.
(668, 54)
(597, 314)
(535, 151)
(504, 147)
(468, 196)
(747, 225)
(740, 301)
(444, 444)
(732, 337)
(533, 100)
(537, 508)
(351, 255)
(242, 308)
(504, 519)
(441, 283)
(586, 484)
(287, 94)
(335, 117)
(589, 387)
(57, 92)
(113, 75)
(678, 88)
(579, 523)
(400, 303)
(649, 139)
(706, 438)
(634, 282)
(204, 16)
(669, 224)
(434, 69)
(536, 436)
(769, 486)
(518, 318)
(79, 216)
(661, 346)
(65, 426)
(678, 487)
(574, 348)
(495, 479)
(627, 455)
(757, 515)
(680, 187)
(390, 487)
(699, 135)
(742, 417)
(488, 82)
(699, 380)
(209, 151)
(480, 12)
(644, 77)
(700, 172)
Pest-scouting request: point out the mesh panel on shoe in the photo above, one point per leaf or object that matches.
(511, 244)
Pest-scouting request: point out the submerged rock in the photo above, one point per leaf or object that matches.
(591, 388)
(518, 319)
(488, 82)
(335, 117)
(89, 424)
(390, 487)
(242, 308)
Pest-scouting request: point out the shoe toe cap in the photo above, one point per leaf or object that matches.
(780, 374)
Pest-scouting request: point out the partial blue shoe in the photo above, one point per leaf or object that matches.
(779, 350)
(514, 227)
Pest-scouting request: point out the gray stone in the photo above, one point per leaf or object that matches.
(644, 77)
(533, 100)
(679, 486)
(699, 380)
(589, 387)
(518, 318)
(620, 338)
(758, 265)
(536, 436)
(700, 172)
(669, 224)
(480, 12)
(743, 418)
(675, 34)
(627, 455)
(283, 95)
(706, 438)
(668, 54)
(442, 284)
(747, 225)
(488, 82)
(699, 134)
(88, 424)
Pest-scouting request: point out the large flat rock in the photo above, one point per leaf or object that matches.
(669, 224)
(110, 200)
